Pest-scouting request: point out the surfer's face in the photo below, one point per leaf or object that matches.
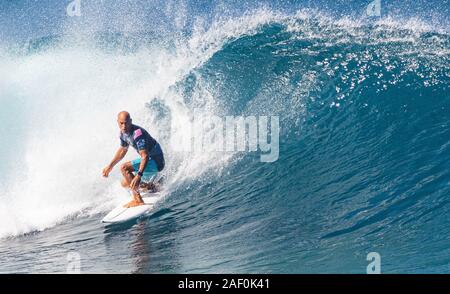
(124, 124)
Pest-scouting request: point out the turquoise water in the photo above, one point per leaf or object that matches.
(363, 106)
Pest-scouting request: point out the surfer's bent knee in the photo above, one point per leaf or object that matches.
(124, 183)
(124, 168)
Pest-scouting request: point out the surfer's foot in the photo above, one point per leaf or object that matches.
(134, 203)
(137, 200)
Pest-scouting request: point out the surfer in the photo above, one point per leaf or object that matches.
(146, 167)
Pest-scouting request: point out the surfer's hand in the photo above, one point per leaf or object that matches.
(135, 182)
(106, 171)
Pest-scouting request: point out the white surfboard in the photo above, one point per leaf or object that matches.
(122, 214)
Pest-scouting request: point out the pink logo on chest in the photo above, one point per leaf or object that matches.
(137, 133)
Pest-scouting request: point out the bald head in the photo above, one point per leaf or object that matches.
(124, 115)
(124, 121)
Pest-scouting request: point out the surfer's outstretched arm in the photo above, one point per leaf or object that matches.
(120, 154)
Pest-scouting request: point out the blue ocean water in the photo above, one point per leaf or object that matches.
(363, 104)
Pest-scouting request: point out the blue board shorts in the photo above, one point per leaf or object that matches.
(150, 171)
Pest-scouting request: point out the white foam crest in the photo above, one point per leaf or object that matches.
(206, 43)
